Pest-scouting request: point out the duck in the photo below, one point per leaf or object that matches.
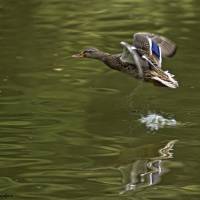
(142, 59)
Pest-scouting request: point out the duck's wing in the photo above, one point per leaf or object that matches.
(156, 74)
(130, 55)
(168, 47)
(148, 49)
(127, 53)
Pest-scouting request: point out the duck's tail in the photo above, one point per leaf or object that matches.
(162, 77)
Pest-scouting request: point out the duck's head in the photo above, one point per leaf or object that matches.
(88, 53)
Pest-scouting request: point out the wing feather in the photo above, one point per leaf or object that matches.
(167, 46)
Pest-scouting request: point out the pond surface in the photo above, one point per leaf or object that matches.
(74, 129)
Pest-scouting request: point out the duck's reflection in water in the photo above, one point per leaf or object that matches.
(145, 173)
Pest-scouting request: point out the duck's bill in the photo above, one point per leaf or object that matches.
(79, 55)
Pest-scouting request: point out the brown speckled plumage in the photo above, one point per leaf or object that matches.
(133, 61)
(114, 62)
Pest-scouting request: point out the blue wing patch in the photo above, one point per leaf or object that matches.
(155, 49)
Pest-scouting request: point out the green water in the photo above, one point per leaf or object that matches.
(72, 129)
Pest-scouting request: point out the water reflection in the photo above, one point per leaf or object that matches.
(145, 173)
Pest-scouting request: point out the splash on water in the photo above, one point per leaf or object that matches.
(154, 121)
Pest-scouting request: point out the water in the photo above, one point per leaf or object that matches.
(71, 129)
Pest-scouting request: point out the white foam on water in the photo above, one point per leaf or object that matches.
(154, 121)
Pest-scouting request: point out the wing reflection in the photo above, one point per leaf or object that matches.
(145, 173)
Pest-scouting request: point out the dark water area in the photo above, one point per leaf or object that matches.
(74, 129)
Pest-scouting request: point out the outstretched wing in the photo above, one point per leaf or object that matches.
(148, 49)
(126, 55)
(130, 55)
(168, 48)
